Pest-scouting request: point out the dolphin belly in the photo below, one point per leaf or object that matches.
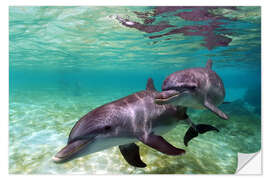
(187, 100)
(102, 144)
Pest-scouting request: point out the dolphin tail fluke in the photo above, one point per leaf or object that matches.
(161, 145)
(200, 128)
(215, 110)
(132, 155)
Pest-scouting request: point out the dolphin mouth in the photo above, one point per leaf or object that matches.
(69, 151)
(57, 159)
(166, 96)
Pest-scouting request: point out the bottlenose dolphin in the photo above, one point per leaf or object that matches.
(197, 88)
(121, 123)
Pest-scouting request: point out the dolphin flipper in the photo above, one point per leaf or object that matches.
(132, 155)
(160, 144)
(215, 110)
(193, 132)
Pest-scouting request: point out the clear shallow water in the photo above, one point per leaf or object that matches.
(66, 61)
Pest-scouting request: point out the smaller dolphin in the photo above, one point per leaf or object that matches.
(197, 88)
(121, 123)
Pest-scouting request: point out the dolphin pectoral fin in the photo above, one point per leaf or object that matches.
(215, 110)
(132, 155)
(160, 144)
(200, 128)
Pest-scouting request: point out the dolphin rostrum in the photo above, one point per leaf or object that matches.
(121, 123)
(197, 88)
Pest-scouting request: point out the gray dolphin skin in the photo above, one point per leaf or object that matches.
(197, 88)
(121, 123)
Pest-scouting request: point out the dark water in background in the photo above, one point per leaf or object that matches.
(66, 61)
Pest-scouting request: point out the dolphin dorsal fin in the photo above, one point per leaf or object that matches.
(209, 64)
(150, 85)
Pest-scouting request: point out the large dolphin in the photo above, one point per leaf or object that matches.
(121, 123)
(197, 88)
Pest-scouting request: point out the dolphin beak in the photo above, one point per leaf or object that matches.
(69, 151)
(166, 97)
(57, 159)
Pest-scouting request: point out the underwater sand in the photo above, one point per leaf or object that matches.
(40, 123)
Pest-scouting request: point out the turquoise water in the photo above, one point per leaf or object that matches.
(66, 61)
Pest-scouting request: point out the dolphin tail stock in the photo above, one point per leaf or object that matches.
(131, 154)
(195, 130)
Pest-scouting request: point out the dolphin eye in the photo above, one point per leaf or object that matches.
(107, 128)
(192, 87)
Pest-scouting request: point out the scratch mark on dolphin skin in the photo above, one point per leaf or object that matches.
(208, 83)
(143, 105)
(132, 113)
(145, 117)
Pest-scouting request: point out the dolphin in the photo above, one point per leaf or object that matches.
(122, 123)
(198, 88)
